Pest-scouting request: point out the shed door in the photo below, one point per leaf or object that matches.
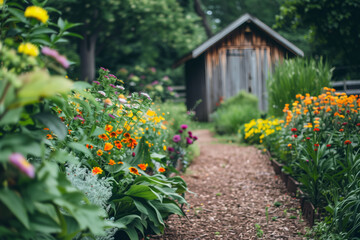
(241, 74)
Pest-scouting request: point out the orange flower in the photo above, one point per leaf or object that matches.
(46, 129)
(134, 171)
(108, 128)
(120, 162)
(111, 162)
(99, 152)
(119, 131)
(103, 137)
(142, 166)
(69, 131)
(127, 135)
(49, 136)
(108, 146)
(89, 146)
(161, 169)
(97, 170)
(119, 146)
(347, 142)
(117, 142)
(132, 143)
(113, 134)
(341, 130)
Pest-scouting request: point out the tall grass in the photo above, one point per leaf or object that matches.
(296, 76)
(235, 112)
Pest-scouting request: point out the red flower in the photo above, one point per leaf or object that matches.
(328, 145)
(358, 124)
(341, 130)
(307, 138)
(295, 136)
(316, 130)
(294, 130)
(316, 144)
(347, 142)
(315, 149)
(344, 123)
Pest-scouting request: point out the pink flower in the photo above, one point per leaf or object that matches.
(96, 82)
(112, 116)
(112, 85)
(133, 154)
(20, 162)
(195, 138)
(79, 117)
(104, 69)
(171, 149)
(145, 95)
(63, 61)
(112, 75)
(102, 93)
(152, 69)
(155, 82)
(55, 55)
(170, 89)
(122, 100)
(184, 126)
(176, 138)
(189, 141)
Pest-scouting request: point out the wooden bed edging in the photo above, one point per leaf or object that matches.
(292, 186)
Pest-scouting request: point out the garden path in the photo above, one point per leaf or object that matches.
(233, 185)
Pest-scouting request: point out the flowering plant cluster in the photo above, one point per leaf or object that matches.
(96, 153)
(258, 129)
(177, 150)
(318, 143)
(150, 79)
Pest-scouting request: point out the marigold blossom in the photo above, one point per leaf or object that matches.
(108, 127)
(22, 164)
(134, 171)
(97, 170)
(28, 49)
(99, 152)
(49, 136)
(161, 169)
(108, 146)
(111, 162)
(36, 12)
(142, 166)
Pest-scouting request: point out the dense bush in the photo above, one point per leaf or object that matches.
(318, 143)
(77, 161)
(234, 112)
(296, 76)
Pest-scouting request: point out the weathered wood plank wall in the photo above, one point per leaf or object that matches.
(241, 61)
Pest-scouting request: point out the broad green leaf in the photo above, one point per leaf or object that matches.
(12, 116)
(79, 147)
(15, 204)
(44, 223)
(81, 85)
(141, 191)
(53, 123)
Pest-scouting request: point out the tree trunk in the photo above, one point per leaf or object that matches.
(87, 57)
(200, 12)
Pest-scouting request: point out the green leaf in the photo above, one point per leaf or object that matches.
(81, 85)
(53, 123)
(79, 147)
(44, 223)
(141, 191)
(98, 131)
(15, 204)
(12, 116)
(18, 14)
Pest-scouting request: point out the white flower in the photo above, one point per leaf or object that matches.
(145, 95)
(120, 87)
(122, 100)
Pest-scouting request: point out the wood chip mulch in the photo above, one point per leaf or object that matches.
(233, 186)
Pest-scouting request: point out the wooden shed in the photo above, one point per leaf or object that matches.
(240, 57)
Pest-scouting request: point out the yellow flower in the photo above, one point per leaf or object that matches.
(164, 148)
(28, 49)
(1, 2)
(37, 12)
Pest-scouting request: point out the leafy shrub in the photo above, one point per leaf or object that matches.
(296, 76)
(235, 112)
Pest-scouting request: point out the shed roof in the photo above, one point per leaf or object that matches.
(234, 25)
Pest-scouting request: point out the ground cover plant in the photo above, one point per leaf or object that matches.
(318, 143)
(96, 152)
(234, 112)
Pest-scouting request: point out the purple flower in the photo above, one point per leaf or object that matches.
(112, 116)
(49, 52)
(79, 117)
(171, 149)
(180, 131)
(170, 89)
(195, 138)
(112, 85)
(63, 61)
(96, 82)
(189, 141)
(176, 138)
(190, 134)
(55, 55)
(155, 82)
(102, 93)
(184, 126)
(24, 166)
